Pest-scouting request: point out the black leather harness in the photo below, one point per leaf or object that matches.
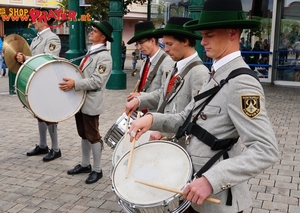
(190, 128)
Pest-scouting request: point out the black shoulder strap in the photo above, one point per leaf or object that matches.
(83, 56)
(153, 72)
(231, 75)
(241, 71)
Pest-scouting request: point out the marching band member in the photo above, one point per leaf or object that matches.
(183, 82)
(155, 64)
(96, 67)
(45, 42)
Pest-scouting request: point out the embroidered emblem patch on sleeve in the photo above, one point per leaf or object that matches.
(52, 46)
(250, 105)
(101, 69)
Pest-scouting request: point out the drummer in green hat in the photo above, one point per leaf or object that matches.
(186, 78)
(96, 68)
(155, 64)
(237, 110)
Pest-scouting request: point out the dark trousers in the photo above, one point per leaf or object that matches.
(88, 127)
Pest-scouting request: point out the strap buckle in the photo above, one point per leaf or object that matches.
(187, 138)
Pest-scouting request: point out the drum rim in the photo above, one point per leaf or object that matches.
(168, 200)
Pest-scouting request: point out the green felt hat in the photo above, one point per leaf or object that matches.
(105, 28)
(222, 14)
(143, 30)
(174, 26)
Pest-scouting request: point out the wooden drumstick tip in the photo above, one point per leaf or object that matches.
(131, 150)
(130, 157)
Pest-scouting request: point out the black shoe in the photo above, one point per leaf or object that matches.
(93, 177)
(79, 169)
(52, 155)
(38, 151)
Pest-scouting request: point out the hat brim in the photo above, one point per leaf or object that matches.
(104, 31)
(162, 32)
(139, 36)
(238, 24)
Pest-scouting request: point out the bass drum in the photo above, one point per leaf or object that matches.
(37, 88)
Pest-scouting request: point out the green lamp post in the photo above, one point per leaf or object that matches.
(195, 7)
(75, 34)
(117, 80)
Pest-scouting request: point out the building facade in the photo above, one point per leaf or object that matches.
(272, 50)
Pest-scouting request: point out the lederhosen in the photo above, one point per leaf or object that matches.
(191, 128)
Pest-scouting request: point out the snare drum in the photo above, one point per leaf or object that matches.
(117, 131)
(159, 162)
(37, 88)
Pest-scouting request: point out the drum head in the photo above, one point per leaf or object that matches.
(124, 146)
(46, 100)
(159, 162)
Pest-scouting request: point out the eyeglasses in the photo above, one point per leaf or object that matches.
(141, 42)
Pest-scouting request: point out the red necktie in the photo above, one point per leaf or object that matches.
(171, 83)
(174, 75)
(83, 62)
(144, 75)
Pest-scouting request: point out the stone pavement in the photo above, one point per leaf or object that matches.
(30, 185)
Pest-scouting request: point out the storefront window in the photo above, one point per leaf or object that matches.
(287, 56)
(255, 43)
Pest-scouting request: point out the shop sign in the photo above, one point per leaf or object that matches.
(34, 15)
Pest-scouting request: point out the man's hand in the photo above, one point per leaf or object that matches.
(131, 106)
(20, 57)
(155, 135)
(132, 95)
(198, 190)
(67, 84)
(140, 126)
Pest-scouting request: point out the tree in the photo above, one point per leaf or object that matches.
(99, 9)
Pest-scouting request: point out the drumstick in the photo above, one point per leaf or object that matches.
(128, 117)
(136, 85)
(134, 89)
(131, 150)
(210, 199)
(126, 132)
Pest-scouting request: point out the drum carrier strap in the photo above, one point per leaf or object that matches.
(153, 73)
(179, 79)
(192, 128)
(83, 56)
